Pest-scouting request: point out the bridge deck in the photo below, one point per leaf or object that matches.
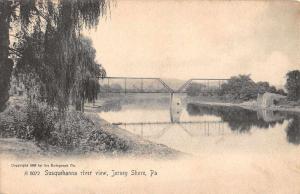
(155, 85)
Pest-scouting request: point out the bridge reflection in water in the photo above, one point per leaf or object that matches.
(156, 130)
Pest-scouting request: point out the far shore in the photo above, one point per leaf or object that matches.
(251, 105)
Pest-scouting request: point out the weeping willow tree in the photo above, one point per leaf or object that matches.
(87, 74)
(42, 77)
(49, 46)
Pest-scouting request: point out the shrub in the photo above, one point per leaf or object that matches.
(104, 142)
(13, 123)
(71, 132)
(40, 120)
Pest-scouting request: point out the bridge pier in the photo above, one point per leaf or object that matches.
(175, 108)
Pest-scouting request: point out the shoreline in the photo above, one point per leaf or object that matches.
(246, 105)
(137, 147)
(250, 105)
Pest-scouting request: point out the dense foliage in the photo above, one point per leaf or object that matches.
(293, 85)
(77, 133)
(237, 88)
(48, 35)
(240, 87)
(45, 77)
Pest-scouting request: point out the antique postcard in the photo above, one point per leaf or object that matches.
(149, 96)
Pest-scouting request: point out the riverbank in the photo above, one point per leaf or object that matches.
(139, 147)
(39, 131)
(251, 105)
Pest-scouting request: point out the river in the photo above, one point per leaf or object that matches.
(201, 129)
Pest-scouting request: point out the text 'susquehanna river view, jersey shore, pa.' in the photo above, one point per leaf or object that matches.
(149, 96)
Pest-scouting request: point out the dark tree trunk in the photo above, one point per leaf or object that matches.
(82, 106)
(6, 64)
(78, 104)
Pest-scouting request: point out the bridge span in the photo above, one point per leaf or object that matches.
(155, 85)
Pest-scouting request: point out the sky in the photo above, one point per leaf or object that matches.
(199, 39)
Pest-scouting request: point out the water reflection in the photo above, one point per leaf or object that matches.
(243, 120)
(193, 127)
(269, 115)
(238, 119)
(293, 130)
(156, 130)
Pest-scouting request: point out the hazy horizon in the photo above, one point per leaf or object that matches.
(200, 39)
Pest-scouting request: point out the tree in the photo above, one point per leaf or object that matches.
(240, 87)
(44, 81)
(8, 15)
(60, 24)
(293, 85)
(86, 84)
(263, 87)
(194, 89)
(281, 92)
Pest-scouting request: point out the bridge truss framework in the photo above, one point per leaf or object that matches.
(154, 85)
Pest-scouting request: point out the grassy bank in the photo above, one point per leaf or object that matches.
(73, 133)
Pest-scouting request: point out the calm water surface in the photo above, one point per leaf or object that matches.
(198, 129)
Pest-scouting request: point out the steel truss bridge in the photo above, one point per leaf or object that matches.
(155, 85)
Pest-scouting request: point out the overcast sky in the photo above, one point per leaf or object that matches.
(200, 39)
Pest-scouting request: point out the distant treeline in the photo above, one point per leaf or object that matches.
(243, 88)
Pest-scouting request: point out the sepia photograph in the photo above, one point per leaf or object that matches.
(149, 96)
